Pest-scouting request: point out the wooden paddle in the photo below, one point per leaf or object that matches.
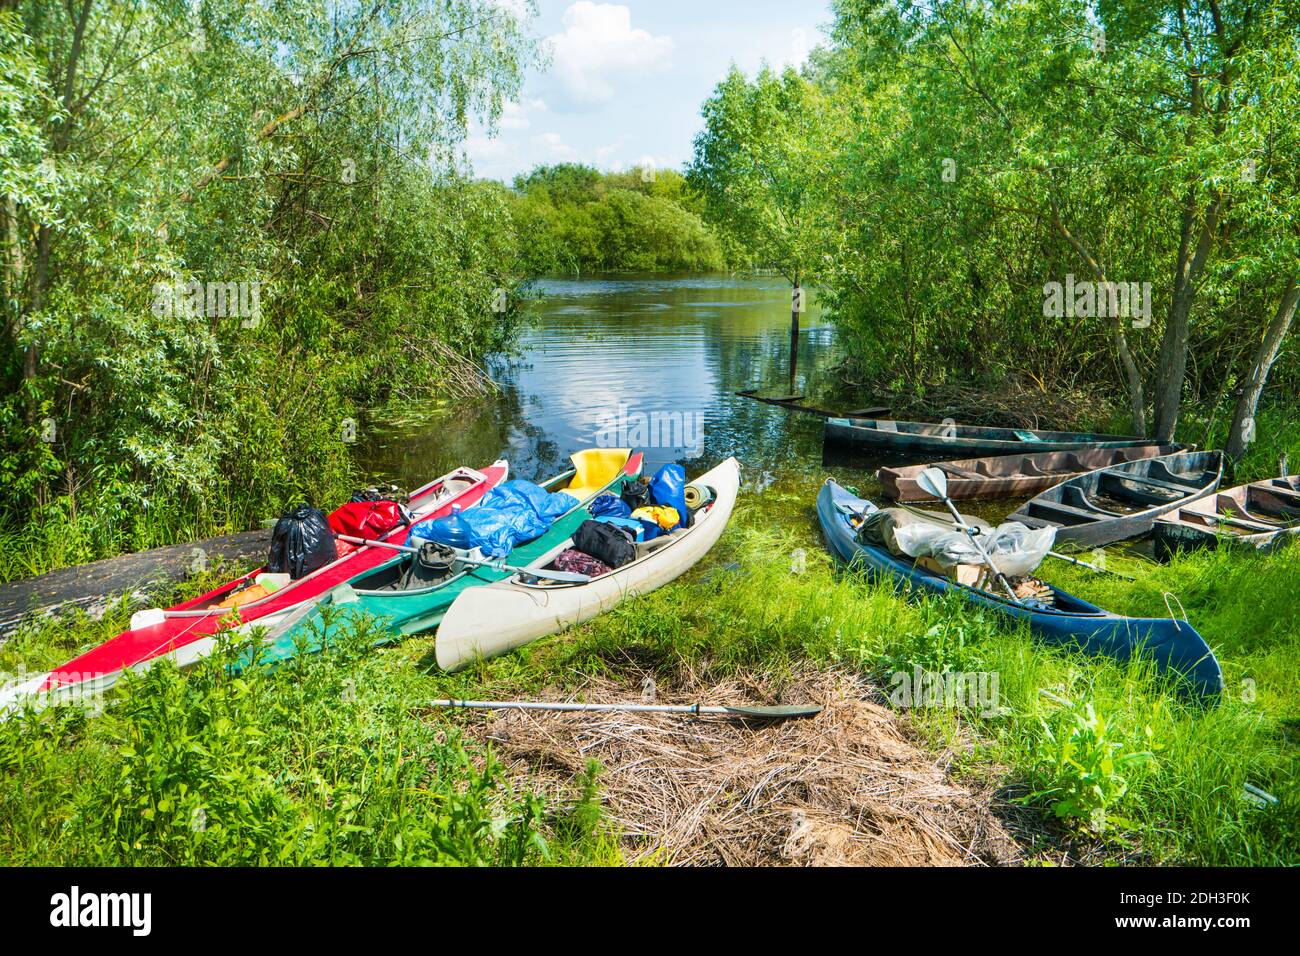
(569, 577)
(695, 710)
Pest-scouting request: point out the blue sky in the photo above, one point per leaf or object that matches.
(626, 80)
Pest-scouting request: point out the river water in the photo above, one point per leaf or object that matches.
(653, 361)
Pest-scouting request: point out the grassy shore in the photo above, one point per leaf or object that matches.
(335, 758)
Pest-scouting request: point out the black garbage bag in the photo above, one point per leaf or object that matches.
(605, 542)
(636, 494)
(301, 542)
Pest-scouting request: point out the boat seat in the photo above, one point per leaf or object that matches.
(1161, 471)
(594, 468)
(654, 544)
(1179, 487)
(1197, 517)
(964, 473)
(1283, 488)
(1064, 510)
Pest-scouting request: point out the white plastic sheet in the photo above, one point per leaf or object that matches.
(1015, 548)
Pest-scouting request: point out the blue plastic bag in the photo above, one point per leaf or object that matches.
(668, 487)
(510, 514)
(607, 503)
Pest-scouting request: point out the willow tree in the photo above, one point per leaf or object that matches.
(308, 147)
(761, 163)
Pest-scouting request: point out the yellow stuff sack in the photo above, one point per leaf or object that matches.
(667, 518)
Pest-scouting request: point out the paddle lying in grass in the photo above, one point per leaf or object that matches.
(566, 576)
(695, 710)
(935, 483)
(1091, 567)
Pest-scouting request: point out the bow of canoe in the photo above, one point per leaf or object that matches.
(487, 621)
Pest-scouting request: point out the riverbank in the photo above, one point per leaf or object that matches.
(335, 758)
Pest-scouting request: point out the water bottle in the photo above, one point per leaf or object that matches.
(453, 530)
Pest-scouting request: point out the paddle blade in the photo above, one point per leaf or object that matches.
(776, 713)
(933, 482)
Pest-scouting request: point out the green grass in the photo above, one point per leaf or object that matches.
(334, 760)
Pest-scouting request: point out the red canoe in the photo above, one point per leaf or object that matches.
(199, 618)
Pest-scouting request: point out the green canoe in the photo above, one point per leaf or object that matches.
(380, 593)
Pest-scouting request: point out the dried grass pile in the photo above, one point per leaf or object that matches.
(846, 787)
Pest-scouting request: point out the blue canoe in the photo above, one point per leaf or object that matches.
(1175, 646)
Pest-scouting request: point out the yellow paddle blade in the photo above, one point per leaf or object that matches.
(594, 468)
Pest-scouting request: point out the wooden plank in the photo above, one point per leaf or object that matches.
(89, 585)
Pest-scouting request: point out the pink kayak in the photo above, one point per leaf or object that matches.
(185, 626)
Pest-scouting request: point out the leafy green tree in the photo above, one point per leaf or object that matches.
(297, 153)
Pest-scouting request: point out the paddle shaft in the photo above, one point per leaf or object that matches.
(1090, 567)
(988, 559)
(693, 709)
(567, 576)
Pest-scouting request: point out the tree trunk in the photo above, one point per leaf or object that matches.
(1243, 417)
(1137, 402)
(796, 301)
(15, 268)
(1173, 346)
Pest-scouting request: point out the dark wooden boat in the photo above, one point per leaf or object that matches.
(1174, 646)
(1014, 476)
(794, 403)
(1122, 501)
(1261, 515)
(926, 438)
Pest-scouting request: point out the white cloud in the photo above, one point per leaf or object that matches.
(553, 149)
(516, 115)
(598, 47)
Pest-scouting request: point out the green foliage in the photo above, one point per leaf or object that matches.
(572, 218)
(320, 763)
(1082, 766)
(252, 145)
(760, 164)
(936, 165)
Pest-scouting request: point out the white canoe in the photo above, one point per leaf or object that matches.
(486, 621)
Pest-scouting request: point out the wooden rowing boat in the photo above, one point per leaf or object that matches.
(923, 438)
(1175, 646)
(1122, 501)
(187, 631)
(1014, 476)
(487, 621)
(795, 403)
(401, 604)
(1262, 514)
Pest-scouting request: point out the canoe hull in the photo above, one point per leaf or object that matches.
(1011, 476)
(488, 621)
(1231, 519)
(1175, 646)
(921, 438)
(188, 631)
(1071, 507)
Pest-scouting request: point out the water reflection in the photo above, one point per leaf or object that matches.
(644, 346)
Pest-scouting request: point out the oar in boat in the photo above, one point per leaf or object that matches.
(935, 483)
(568, 577)
(1091, 567)
(695, 710)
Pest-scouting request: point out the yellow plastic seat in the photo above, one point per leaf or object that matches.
(594, 468)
